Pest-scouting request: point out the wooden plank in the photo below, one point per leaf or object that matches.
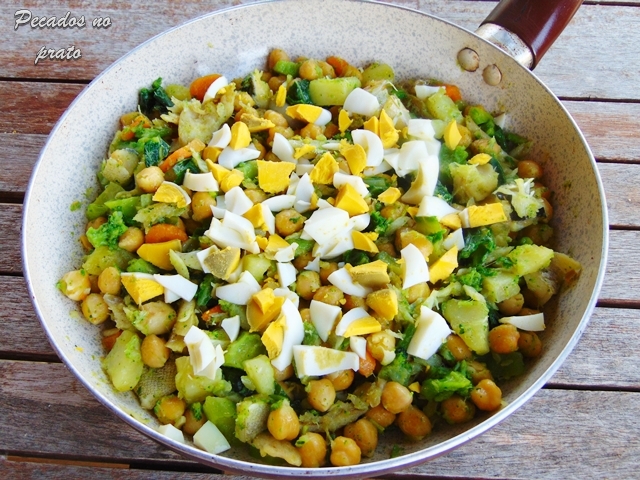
(622, 192)
(18, 156)
(614, 58)
(10, 227)
(563, 418)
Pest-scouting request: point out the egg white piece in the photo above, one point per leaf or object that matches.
(342, 243)
(210, 439)
(356, 182)
(322, 203)
(170, 297)
(171, 432)
(200, 182)
(361, 102)
(371, 171)
(313, 265)
(240, 292)
(414, 267)
(220, 207)
(279, 202)
(454, 239)
(221, 137)
(431, 330)
(204, 357)
(348, 318)
(293, 335)
(324, 118)
(177, 284)
(425, 182)
(202, 254)
(303, 168)
(323, 316)
(236, 201)
(435, 207)
(304, 193)
(286, 273)
(286, 254)
(288, 294)
(529, 323)
(500, 120)
(425, 91)
(408, 158)
(283, 149)
(231, 326)
(241, 225)
(269, 219)
(341, 278)
(359, 222)
(318, 361)
(218, 84)
(326, 223)
(421, 128)
(358, 345)
(230, 158)
(371, 144)
(294, 179)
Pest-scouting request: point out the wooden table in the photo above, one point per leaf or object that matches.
(584, 424)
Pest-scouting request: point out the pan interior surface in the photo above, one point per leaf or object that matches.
(236, 41)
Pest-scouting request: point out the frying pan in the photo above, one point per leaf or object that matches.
(237, 40)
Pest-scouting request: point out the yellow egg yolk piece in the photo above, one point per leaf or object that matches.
(141, 289)
(384, 302)
(158, 253)
(363, 242)
(240, 136)
(273, 177)
(223, 263)
(479, 159)
(356, 157)
(273, 337)
(390, 195)
(372, 125)
(488, 214)
(388, 133)
(171, 193)
(304, 112)
(349, 199)
(373, 274)
(363, 326)
(444, 266)
(451, 221)
(324, 170)
(344, 121)
(300, 152)
(281, 96)
(232, 180)
(452, 135)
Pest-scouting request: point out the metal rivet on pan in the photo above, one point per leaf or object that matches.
(492, 75)
(468, 59)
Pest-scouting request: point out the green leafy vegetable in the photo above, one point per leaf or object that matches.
(380, 224)
(203, 294)
(447, 157)
(479, 243)
(377, 184)
(311, 336)
(298, 92)
(154, 99)
(154, 151)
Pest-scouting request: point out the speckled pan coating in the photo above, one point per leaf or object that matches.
(416, 45)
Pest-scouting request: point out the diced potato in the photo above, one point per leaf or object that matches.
(261, 373)
(124, 362)
(470, 320)
(332, 91)
(501, 286)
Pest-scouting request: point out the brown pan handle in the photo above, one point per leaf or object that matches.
(535, 23)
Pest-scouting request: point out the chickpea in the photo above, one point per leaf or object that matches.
(406, 236)
(275, 82)
(131, 240)
(286, 132)
(528, 311)
(86, 244)
(201, 204)
(416, 292)
(458, 348)
(255, 195)
(456, 409)
(345, 452)
(529, 344)
(326, 269)
(365, 434)
(393, 211)
(387, 247)
(154, 351)
(311, 130)
(541, 190)
(301, 261)
(529, 169)
(305, 314)
(169, 409)
(276, 118)
(327, 70)
(96, 222)
(93, 281)
(381, 416)
(396, 397)
(351, 302)
(310, 70)
(414, 423)
(540, 234)
(478, 371)
(75, 285)
(307, 284)
(149, 179)
(159, 318)
(321, 394)
(95, 309)
(467, 137)
(341, 380)
(486, 395)
(283, 423)
(379, 343)
(193, 422)
(329, 294)
(282, 375)
(109, 281)
(504, 339)
(330, 131)
(275, 56)
(548, 209)
(512, 305)
(289, 221)
(312, 449)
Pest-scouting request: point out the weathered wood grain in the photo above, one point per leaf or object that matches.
(10, 227)
(573, 57)
(552, 418)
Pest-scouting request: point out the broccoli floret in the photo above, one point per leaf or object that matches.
(439, 389)
(401, 369)
(380, 224)
(196, 410)
(442, 192)
(108, 233)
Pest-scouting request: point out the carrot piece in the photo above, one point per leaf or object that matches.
(206, 316)
(340, 65)
(165, 232)
(181, 154)
(110, 341)
(453, 92)
(200, 85)
(367, 365)
(128, 133)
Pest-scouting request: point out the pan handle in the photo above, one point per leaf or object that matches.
(527, 28)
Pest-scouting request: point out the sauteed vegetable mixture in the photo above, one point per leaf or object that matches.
(303, 258)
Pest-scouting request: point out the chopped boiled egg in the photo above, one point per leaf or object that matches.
(237, 202)
(221, 263)
(293, 334)
(373, 125)
(371, 144)
(229, 158)
(425, 183)
(372, 274)
(324, 170)
(273, 177)
(169, 192)
(325, 223)
(425, 91)
(455, 238)
(309, 113)
(361, 102)
(479, 159)
(444, 266)
(529, 323)
(286, 254)
(387, 131)
(350, 200)
(363, 242)
(141, 286)
(384, 303)
(431, 330)
(216, 87)
(171, 432)
(390, 195)
(281, 95)
(223, 236)
(452, 135)
(344, 122)
(319, 361)
(210, 439)
(414, 266)
(158, 253)
(178, 285)
(421, 128)
(279, 202)
(355, 155)
(261, 217)
(231, 326)
(263, 307)
(200, 182)
(240, 292)
(307, 151)
(323, 316)
(313, 265)
(286, 273)
(204, 357)
(232, 180)
(352, 316)
(340, 179)
(358, 345)
(241, 225)
(480, 215)
(282, 149)
(341, 278)
(435, 207)
(451, 221)
(240, 136)
(287, 294)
